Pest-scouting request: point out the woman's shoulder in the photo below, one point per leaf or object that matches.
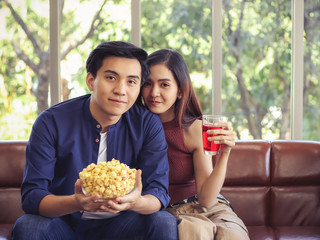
(193, 135)
(195, 126)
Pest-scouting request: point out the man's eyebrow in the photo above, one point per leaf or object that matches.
(115, 73)
(134, 76)
(111, 71)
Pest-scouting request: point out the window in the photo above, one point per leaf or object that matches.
(186, 27)
(24, 66)
(311, 89)
(81, 29)
(257, 67)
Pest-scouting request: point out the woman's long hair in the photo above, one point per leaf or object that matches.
(187, 107)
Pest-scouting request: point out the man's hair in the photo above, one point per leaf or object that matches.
(117, 49)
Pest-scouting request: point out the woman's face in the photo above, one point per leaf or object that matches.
(160, 92)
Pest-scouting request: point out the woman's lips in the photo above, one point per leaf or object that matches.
(154, 103)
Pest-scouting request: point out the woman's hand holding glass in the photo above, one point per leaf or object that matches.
(224, 136)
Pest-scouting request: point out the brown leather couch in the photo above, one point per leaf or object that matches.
(273, 186)
(12, 158)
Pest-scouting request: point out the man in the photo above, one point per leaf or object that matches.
(98, 127)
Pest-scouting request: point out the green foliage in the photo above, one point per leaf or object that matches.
(17, 104)
(204, 96)
(181, 25)
(256, 56)
(18, 83)
(38, 26)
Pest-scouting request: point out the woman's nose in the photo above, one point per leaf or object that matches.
(155, 91)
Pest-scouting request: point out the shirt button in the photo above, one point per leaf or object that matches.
(98, 126)
(97, 140)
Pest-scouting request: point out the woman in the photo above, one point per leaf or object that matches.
(194, 184)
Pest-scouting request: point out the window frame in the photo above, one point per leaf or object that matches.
(296, 98)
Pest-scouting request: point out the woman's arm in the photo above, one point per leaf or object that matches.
(209, 181)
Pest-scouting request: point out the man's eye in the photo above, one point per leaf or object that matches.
(111, 77)
(132, 82)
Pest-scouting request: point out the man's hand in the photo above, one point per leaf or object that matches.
(128, 201)
(90, 203)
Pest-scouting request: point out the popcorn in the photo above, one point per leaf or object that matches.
(108, 179)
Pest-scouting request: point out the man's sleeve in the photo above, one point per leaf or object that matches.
(154, 162)
(39, 166)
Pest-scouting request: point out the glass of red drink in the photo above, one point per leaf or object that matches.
(208, 123)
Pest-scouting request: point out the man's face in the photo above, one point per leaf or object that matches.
(115, 88)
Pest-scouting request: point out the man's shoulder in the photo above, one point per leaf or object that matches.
(138, 118)
(69, 114)
(138, 110)
(67, 109)
(74, 102)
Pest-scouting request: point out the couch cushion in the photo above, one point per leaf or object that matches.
(5, 231)
(295, 163)
(10, 205)
(295, 205)
(249, 164)
(12, 160)
(297, 232)
(244, 199)
(260, 232)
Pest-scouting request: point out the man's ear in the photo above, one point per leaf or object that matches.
(90, 81)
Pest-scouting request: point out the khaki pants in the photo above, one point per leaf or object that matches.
(218, 222)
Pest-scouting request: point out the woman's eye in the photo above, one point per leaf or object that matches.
(165, 85)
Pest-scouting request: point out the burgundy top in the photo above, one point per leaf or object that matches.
(181, 171)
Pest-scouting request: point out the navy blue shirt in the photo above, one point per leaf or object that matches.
(65, 139)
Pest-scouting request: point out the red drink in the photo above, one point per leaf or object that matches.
(210, 147)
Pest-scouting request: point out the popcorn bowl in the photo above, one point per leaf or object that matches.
(108, 179)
